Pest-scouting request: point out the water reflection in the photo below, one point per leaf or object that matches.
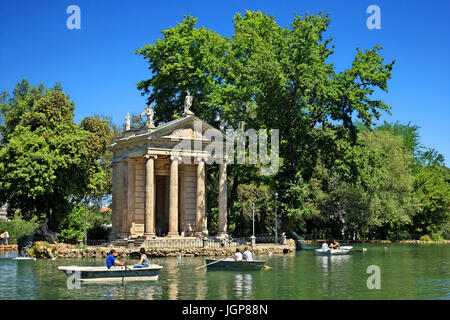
(243, 285)
(329, 262)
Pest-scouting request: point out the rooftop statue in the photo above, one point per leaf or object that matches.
(149, 113)
(187, 104)
(128, 125)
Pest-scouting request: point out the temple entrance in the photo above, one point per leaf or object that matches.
(162, 206)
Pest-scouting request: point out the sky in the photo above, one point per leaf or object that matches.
(97, 67)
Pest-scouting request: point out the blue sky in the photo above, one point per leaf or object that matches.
(97, 67)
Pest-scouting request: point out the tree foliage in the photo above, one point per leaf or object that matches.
(47, 162)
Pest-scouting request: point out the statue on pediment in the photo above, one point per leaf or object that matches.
(149, 113)
(187, 104)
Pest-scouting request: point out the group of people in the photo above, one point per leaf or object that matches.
(4, 236)
(246, 255)
(334, 245)
(112, 261)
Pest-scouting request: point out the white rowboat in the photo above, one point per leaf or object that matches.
(114, 274)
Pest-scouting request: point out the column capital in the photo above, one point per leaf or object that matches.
(176, 158)
(150, 156)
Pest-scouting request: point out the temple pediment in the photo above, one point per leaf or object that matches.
(189, 127)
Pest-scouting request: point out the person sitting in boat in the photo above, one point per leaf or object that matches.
(112, 261)
(325, 246)
(238, 255)
(335, 245)
(144, 260)
(247, 254)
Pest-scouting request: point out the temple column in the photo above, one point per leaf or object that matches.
(131, 186)
(200, 205)
(115, 200)
(150, 197)
(173, 202)
(222, 232)
(123, 199)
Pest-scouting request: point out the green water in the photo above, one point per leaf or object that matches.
(408, 271)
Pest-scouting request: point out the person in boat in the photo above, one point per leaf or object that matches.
(247, 254)
(144, 260)
(238, 255)
(112, 261)
(6, 236)
(335, 245)
(325, 246)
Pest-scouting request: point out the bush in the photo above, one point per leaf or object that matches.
(72, 227)
(437, 236)
(425, 238)
(17, 227)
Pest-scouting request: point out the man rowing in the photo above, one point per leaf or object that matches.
(111, 260)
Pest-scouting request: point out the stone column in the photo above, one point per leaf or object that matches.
(131, 186)
(115, 200)
(150, 197)
(173, 197)
(200, 206)
(123, 202)
(222, 232)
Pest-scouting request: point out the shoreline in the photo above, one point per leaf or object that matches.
(42, 250)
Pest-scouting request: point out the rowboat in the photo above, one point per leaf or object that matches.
(322, 252)
(114, 274)
(231, 264)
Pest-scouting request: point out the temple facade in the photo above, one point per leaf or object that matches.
(159, 180)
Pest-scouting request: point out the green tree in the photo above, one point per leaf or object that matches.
(267, 76)
(433, 193)
(47, 162)
(382, 200)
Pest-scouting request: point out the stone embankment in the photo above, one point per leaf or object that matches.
(61, 250)
(8, 247)
(379, 241)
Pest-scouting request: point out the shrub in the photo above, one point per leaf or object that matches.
(17, 227)
(425, 238)
(437, 236)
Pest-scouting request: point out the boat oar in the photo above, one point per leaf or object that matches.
(198, 268)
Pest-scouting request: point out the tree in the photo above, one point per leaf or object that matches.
(47, 162)
(382, 199)
(433, 193)
(267, 76)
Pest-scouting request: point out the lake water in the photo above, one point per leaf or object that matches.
(407, 271)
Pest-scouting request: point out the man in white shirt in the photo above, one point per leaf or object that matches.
(238, 255)
(6, 235)
(248, 255)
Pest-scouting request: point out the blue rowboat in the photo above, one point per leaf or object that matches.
(231, 264)
(114, 274)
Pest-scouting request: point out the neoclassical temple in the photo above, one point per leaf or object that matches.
(159, 188)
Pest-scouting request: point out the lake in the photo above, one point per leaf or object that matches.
(407, 271)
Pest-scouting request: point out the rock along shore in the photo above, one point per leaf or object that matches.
(8, 247)
(61, 250)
